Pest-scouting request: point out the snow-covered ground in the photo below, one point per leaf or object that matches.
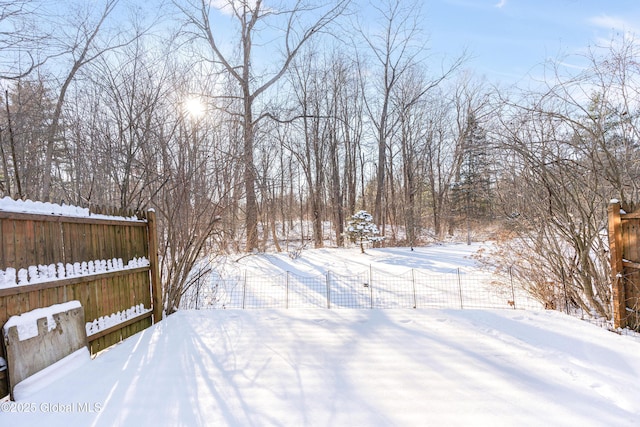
(350, 367)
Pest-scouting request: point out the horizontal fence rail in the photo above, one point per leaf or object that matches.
(415, 288)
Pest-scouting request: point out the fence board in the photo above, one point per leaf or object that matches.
(55, 243)
(34, 239)
(18, 241)
(8, 245)
(29, 244)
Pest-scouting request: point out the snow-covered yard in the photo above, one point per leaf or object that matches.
(350, 367)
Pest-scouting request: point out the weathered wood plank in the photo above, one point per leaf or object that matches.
(25, 356)
(40, 244)
(122, 325)
(29, 244)
(55, 243)
(8, 244)
(19, 244)
(630, 215)
(72, 280)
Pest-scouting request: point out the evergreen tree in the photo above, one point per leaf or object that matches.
(471, 192)
(361, 229)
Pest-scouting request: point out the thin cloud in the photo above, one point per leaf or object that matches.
(571, 66)
(612, 23)
(501, 4)
(223, 6)
(226, 7)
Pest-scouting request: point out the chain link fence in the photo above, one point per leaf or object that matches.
(457, 289)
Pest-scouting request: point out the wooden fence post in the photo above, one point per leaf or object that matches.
(615, 252)
(156, 284)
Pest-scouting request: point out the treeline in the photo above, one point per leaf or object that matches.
(254, 126)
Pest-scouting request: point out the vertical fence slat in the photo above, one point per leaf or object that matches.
(29, 244)
(19, 247)
(40, 243)
(67, 243)
(8, 244)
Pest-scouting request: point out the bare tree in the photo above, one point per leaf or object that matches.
(309, 82)
(412, 136)
(190, 212)
(396, 47)
(439, 157)
(24, 122)
(19, 35)
(111, 131)
(572, 147)
(344, 141)
(79, 41)
(194, 157)
(294, 30)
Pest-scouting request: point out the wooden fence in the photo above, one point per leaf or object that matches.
(34, 239)
(624, 246)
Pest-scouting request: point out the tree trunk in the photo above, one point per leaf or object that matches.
(380, 172)
(251, 209)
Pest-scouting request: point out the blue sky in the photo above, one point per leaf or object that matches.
(509, 39)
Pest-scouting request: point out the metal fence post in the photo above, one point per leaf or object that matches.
(564, 287)
(286, 284)
(460, 288)
(328, 291)
(244, 290)
(370, 286)
(413, 283)
(513, 292)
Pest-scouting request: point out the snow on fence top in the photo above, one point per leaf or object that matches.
(120, 317)
(7, 204)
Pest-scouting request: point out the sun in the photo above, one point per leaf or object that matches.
(194, 107)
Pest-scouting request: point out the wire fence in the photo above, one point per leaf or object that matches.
(368, 289)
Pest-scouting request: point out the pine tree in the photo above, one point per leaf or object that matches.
(471, 193)
(361, 229)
